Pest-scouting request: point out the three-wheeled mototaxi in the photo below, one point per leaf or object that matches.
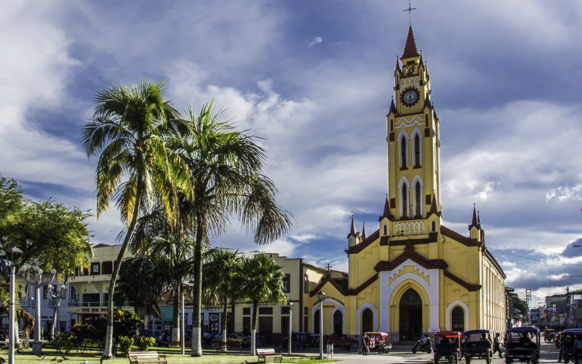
(447, 345)
(522, 344)
(476, 344)
(549, 335)
(379, 341)
(568, 349)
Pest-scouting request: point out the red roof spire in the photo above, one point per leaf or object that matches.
(410, 49)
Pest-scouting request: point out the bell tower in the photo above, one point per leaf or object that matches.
(413, 143)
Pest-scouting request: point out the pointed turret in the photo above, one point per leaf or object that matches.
(392, 108)
(433, 207)
(364, 235)
(474, 222)
(410, 49)
(386, 213)
(352, 228)
(475, 227)
(397, 69)
(354, 236)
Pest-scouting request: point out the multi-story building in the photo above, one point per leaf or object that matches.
(90, 287)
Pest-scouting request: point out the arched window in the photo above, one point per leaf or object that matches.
(385, 229)
(316, 322)
(392, 126)
(306, 284)
(433, 226)
(417, 199)
(404, 191)
(458, 319)
(403, 151)
(416, 150)
(367, 320)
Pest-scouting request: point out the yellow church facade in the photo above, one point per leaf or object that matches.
(413, 275)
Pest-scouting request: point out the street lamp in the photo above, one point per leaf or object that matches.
(11, 255)
(57, 293)
(320, 297)
(35, 278)
(290, 325)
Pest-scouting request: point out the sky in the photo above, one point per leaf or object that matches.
(314, 79)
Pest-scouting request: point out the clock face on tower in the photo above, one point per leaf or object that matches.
(409, 96)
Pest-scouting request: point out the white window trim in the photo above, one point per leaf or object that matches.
(406, 139)
(416, 131)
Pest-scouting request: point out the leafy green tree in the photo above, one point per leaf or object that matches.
(220, 274)
(521, 305)
(135, 167)
(11, 203)
(226, 178)
(262, 282)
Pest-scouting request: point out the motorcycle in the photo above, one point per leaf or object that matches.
(422, 346)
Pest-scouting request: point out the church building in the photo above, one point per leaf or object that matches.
(413, 275)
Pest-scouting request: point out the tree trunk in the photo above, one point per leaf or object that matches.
(224, 322)
(254, 328)
(107, 350)
(197, 291)
(176, 313)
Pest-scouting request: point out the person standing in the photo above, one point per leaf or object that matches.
(366, 345)
(497, 345)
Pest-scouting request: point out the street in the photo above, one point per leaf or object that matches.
(549, 354)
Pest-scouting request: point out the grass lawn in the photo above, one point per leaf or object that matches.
(26, 357)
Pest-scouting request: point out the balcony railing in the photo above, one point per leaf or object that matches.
(95, 304)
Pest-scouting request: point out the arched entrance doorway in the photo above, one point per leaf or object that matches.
(410, 316)
(338, 323)
(458, 319)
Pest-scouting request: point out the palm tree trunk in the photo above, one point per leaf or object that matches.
(224, 322)
(197, 292)
(107, 350)
(254, 328)
(176, 313)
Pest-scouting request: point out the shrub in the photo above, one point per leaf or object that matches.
(144, 342)
(125, 344)
(64, 342)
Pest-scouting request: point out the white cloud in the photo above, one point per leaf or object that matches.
(316, 40)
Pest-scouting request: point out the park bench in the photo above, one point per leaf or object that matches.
(138, 357)
(269, 353)
(176, 344)
(229, 344)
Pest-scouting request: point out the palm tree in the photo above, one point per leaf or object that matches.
(220, 272)
(262, 282)
(226, 171)
(135, 167)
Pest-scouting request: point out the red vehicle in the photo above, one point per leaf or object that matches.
(448, 346)
(379, 341)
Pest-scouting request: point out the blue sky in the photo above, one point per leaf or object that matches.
(314, 78)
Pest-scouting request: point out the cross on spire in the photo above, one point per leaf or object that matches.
(410, 8)
(328, 267)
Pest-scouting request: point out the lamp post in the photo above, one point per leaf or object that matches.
(34, 278)
(290, 325)
(57, 293)
(183, 328)
(320, 297)
(11, 256)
